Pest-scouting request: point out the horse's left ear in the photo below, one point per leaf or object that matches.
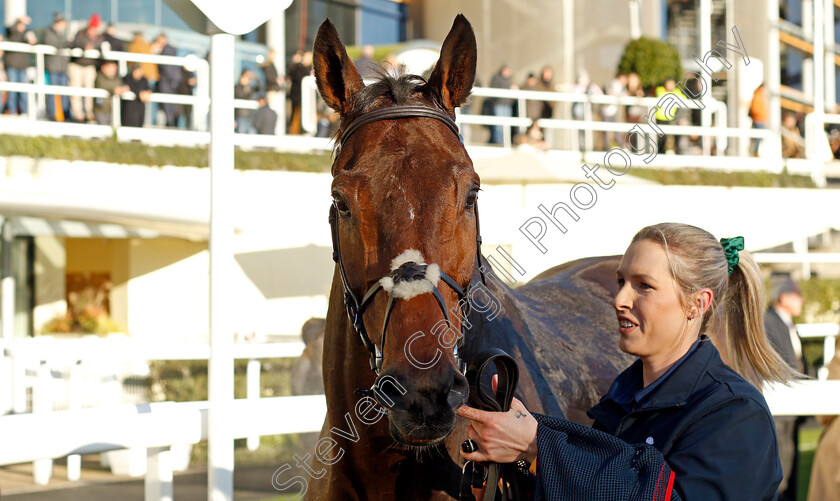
(454, 72)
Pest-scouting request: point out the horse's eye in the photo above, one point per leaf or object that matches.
(472, 198)
(341, 207)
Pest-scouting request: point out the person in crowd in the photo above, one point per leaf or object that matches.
(669, 115)
(264, 118)
(273, 80)
(110, 37)
(786, 303)
(16, 63)
(366, 65)
(546, 84)
(107, 79)
(825, 470)
(58, 107)
(633, 113)
(134, 110)
(793, 145)
(617, 87)
(501, 106)
(685, 421)
(185, 88)
(81, 71)
(297, 70)
(169, 78)
(533, 107)
(584, 86)
(243, 90)
(139, 45)
(759, 114)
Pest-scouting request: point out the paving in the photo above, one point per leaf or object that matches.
(251, 483)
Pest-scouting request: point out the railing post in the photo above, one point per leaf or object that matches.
(116, 111)
(252, 384)
(42, 469)
(74, 461)
(158, 483)
(40, 79)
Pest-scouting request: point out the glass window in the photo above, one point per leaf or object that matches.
(83, 9)
(383, 22)
(171, 19)
(136, 11)
(791, 67)
(42, 14)
(791, 10)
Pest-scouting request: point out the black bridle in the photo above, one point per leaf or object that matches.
(356, 305)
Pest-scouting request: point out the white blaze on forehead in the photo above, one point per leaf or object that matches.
(411, 288)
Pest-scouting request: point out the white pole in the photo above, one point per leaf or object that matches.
(76, 391)
(830, 83)
(819, 61)
(635, 20)
(220, 365)
(276, 39)
(704, 27)
(252, 387)
(7, 285)
(42, 469)
(771, 67)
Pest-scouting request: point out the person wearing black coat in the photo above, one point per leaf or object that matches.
(786, 303)
(16, 63)
(56, 65)
(170, 78)
(682, 422)
(134, 111)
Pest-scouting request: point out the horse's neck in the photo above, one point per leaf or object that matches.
(508, 329)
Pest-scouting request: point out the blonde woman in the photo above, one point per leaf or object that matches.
(681, 423)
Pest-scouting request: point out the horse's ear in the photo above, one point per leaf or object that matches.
(454, 72)
(335, 73)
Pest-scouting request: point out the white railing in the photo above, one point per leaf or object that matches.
(87, 371)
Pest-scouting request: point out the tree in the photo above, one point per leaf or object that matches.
(653, 60)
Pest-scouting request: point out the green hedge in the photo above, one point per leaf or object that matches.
(113, 151)
(704, 177)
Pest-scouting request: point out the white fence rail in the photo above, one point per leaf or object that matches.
(562, 131)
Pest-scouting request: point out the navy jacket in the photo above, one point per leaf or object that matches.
(703, 422)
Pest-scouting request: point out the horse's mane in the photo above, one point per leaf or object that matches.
(399, 88)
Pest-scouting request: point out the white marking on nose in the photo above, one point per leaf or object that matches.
(411, 213)
(408, 289)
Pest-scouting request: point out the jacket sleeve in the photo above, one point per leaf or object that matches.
(578, 462)
(708, 457)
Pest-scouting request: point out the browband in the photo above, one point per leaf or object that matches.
(396, 112)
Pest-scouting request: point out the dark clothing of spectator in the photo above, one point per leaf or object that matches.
(185, 88)
(502, 106)
(85, 42)
(15, 59)
(500, 81)
(271, 76)
(170, 77)
(780, 333)
(243, 115)
(114, 42)
(102, 107)
(265, 120)
(134, 111)
(15, 66)
(296, 73)
(56, 63)
(243, 92)
(677, 425)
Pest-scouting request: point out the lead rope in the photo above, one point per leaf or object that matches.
(476, 475)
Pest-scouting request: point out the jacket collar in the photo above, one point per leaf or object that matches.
(673, 391)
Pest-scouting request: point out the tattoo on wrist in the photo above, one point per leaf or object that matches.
(519, 414)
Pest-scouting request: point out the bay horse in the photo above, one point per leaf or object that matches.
(409, 274)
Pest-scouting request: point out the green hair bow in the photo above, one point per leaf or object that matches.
(731, 246)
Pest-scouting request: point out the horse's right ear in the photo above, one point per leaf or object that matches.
(335, 73)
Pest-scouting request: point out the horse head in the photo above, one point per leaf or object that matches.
(404, 227)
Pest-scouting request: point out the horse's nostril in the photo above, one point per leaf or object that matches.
(458, 392)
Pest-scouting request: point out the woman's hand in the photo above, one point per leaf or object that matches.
(502, 437)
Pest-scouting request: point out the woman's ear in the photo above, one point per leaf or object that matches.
(702, 302)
